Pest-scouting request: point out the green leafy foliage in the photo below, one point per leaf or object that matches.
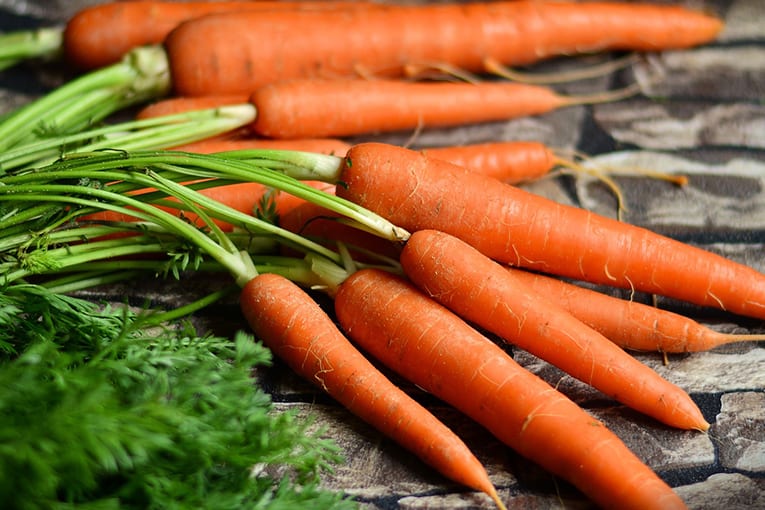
(99, 411)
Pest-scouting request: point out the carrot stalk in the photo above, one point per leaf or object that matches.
(154, 133)
(21, 45)
(484, 292)
(299, 332)
(141, 75)
(463, 35)
(526, 230)
(173, 105)
(630, 324)
(435, 349)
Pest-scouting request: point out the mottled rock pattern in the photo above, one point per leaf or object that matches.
(701, 115)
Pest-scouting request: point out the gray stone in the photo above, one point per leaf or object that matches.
(740, 431)
(729, 491)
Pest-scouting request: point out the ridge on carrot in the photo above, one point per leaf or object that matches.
(463, 35)
(526, 230)
(431, 347)
(485, 293)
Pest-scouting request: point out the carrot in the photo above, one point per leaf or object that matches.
(484, 292)
(101, 34)
(435, 349)
(517, 227)
(320, 108)
(225, 53)
(513, 162)
(630, 324)
(299, 332)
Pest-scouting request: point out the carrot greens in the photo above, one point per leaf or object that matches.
(77, 105)
(21, 45)
(99, 409)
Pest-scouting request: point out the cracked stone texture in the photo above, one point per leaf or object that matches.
(701, 115)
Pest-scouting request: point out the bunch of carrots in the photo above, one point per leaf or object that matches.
(425, 245)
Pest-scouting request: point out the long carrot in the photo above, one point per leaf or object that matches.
(517, 227)
(101, 34)
(484, 292)
(320, 108)
(433, 348)
(226, 53)
(630, 324)
(299, 332)
(510, 161)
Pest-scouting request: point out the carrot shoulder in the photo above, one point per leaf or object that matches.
(464, 35)
(523, 229)
(485, 293)
(433, 348)
(299, 332)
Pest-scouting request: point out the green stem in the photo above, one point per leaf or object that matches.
(141, 75)
(147, 134)
(88, 279)
(17, 46)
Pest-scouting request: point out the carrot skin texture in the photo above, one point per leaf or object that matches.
(433, 348)
(482, 291)
(629, 324)
(522, 229)
(102, 34)
(511, 162)
(460, 34)
(320, 108)
(299, 332)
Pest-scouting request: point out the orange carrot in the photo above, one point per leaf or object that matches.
(101, 34)
(485, 293)
(225, 53)
(630, 324)
(513, 161)
(435, 349)
(523, 229)
(299, 332)
(318, 108)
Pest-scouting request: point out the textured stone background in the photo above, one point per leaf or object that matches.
(703, 118)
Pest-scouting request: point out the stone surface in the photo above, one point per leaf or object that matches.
(701, 115)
